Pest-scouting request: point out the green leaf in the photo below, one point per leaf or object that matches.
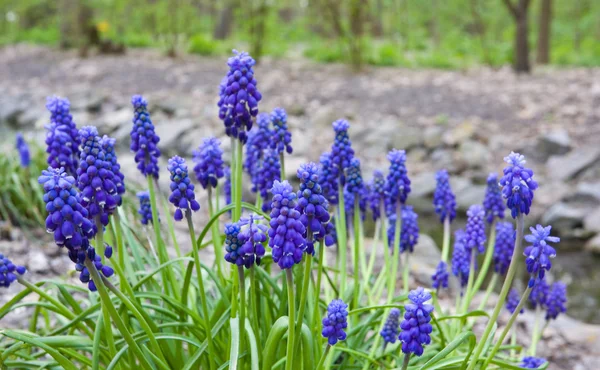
(460, 339)
(470, 314)
(55, 354)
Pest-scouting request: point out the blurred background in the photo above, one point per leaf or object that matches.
(458, 84)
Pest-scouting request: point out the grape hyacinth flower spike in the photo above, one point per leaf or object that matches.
(492, 202)
(397, 182)
(341, 150)
(440, 278)
(252, 237)
(209, 166)
(145, 207)
(377, 194)
(444, 200)
(460, 259)
(512, 301)
(335, 322)
(182, 190)
(108, 145)
(329, 178)
(475, 230)
(556, 301)
(9, 271)
(233, 244)
(258, 140)
(539, 294)
(281, 138)
(532, 362)
(23, 149)
(518, 185)
(409, 236)
(504, 247)
(62, 136)
(312, 205)
(144, 141)
(227, 185)
(239, 96)
(539, 253)
(391, 328)
(266, 177)
(416, 327)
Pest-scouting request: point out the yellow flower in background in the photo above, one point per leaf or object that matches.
(102, 27)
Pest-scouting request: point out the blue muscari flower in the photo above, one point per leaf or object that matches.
(409, 236)
(341, 150)
(268, 174)
(363, 197)
(512, 301)
(23, 149)
(144, 141)
(239, 97)
(391, 327)
(312, 205)
(208, 159)
(281, 137)
(376, 194)
(286, 232)
(95, 177)
(329, 178)
(233, 243)
(461, 259)
(397, 182)
(62, 137)
(517, 185)
(84, 274)
(532, 362)
(252, 238)
(492, 202)
(335, 322)
(9, 271)
(556, 301)
(440, 278)
(539, 294)
(227, 185)
(444, 200)
(416, 328)
(258, 140)
(539, 253)
(504, 247)
(182, 190)
(108, 145)
(145, 207)
(475, 230)
(354, 181)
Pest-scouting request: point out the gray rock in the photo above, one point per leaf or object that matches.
(29, 117)
(593, 245)
(586, 193)
(591, 222)
(553, 143)
(168, 106)
(402, 137)
(474, 154)
(91, 103)
(424, 259)
(569, 166)
(551, 193)
(432, 137)
(115, 120)
(458, 134)
(170, 133)
(443, 159)
(10, 110)
(564, 217)
(473, 194)
(422, 185)
(38, 262)
(416, 155)
(324, 117)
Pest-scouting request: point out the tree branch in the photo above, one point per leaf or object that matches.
(511, 8)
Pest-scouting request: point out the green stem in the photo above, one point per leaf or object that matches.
(207, 326)
(513, 341)
(512, 270)
(281, 167)
(535, 338)
(303, 296)
(355, 296)
(405, 362)
(374, 247)
(446, 240)
(238, 184)
(395, 255)
(316, 314)
(406, 272)
(489, 254)
(242, 312)
(323, 357)
(216, 237)
(291, 314)
(341, 234)
(509, 325)
(489, 290)
(254, 300)
(466, 301)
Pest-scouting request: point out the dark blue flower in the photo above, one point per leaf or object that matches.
(354, 177)
(556, 301)
(440, 278)
(239, 97)
(209, 167)
(517, 185)
(252, 237)
(9, 271)
(268, 174)
(376, 194)
(461, 258)
(363, 197)
(145, 207)
(108, 145)
(84, 273)
(532, 362)
(504, 247)
(444, 200)
(341, 150)
(312, 205)
(233, 243)
(258, 140)
(227, 185)
(144, 141)
(95, 177)
(397, 182)
(23, 149)
(416, 328)
(281, 137)
(493, 202)
(286, 232)
(475, 230)
(335, 322)
(539, 294)
(182, 190)
(409, 236)
(391, 327)
(539, 253)
(62, 137)
(512, 301)
(329, 178)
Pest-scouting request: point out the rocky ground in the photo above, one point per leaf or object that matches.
(465, 121)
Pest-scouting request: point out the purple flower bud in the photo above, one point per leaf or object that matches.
(532, 362)
(209, 167)
(512, 301)
(493, 202)
(444, 200)
(504, 247)
(475, 230)
(416, 327)
(144, 141)
(539, 294)
(376, 193)
(440, 278)
(397, 182)
(517, 185)
(269, 172)
(9, 271)
(62, 137)
(335, 322)
(108, 145)
(556, 301)
(258, 140)
(409, 236)
(341, 151)
(182, 190)
(391, 328)
(23, 150)
(538, 255)
(281, 137)
(329, 178)
(145, 207)
(461, 258)
(252, 238)
(312, 205)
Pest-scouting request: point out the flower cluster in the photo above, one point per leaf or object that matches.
(409, 235)
(461, 258)
(440, 278)
(62, 137)
(209, 167)
(556, 301)
(233, 244)
(281, 138)
(492, 202)
(84, 273)
(23, 149)
(335, 322)
(182, 190)
(475, 229)
(341, 150)
(532, 362)
(504, 247)
(144, 141)
(444, 200)
(108, 146)
(245, 246)
(416, 328)
(312, 205)
(376, 194)
(539, 253)
(397, 182)
(512, 301)
(329, 179)
(239, 96)
(8, 271)
(227, 185)
(391, 327)
(95, 177)
(539, 294)
(354, 177)
(145, 207)
(258, 140)
(268, 175)
(286, 232)
(517, 185)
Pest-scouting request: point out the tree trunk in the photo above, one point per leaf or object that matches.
(520, 13)
(543, 44)
(377, 19)
(258, 30)
(225, 23)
